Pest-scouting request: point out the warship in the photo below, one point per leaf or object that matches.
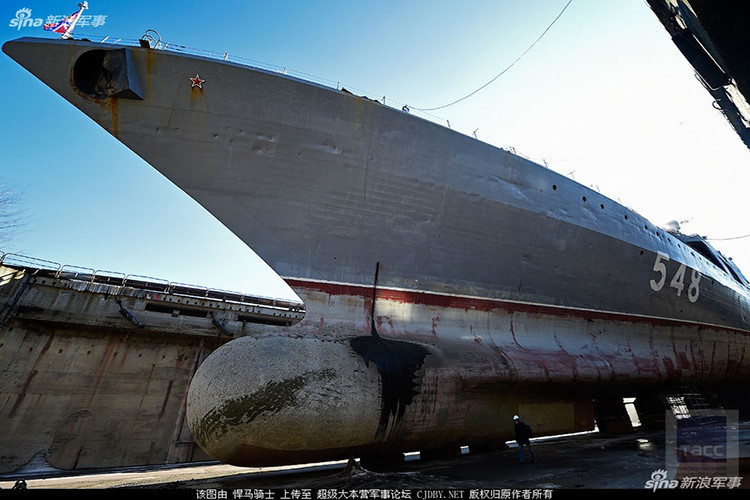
(448, 284)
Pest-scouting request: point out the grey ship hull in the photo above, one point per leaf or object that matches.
(486, 272)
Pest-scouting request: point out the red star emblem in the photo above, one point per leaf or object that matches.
(196, 82)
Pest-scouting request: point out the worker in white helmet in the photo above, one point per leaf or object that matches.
(523, 434)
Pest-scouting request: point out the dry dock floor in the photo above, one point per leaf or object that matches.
(583, 461)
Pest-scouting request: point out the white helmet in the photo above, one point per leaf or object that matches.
(515, 417)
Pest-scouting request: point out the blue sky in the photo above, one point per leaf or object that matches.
(604, 97)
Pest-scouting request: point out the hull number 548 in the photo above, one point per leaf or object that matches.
(678, 280)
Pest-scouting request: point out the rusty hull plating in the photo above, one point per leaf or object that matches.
(333, 390)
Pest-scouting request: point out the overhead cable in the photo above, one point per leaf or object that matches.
(503, 71)
(728, 239)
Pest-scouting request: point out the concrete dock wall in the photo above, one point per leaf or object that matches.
(95, 375)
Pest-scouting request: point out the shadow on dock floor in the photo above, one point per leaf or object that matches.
(584, 461)
(587, 461)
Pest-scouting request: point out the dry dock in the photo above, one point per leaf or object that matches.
(96, 365)
(95, 373)
(577, 462)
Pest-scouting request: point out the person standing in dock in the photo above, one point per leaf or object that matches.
(523, 434)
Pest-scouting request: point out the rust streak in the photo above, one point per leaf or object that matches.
(166, 399)
(32, 374)
(101, 369)
(23, 393)
(113, 105)
(195, 93)
(149, 65)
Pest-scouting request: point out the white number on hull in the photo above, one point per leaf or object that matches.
(660, 267)
(693, 290)
(678, 280)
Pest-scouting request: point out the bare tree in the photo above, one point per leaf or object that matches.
(10, 213)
